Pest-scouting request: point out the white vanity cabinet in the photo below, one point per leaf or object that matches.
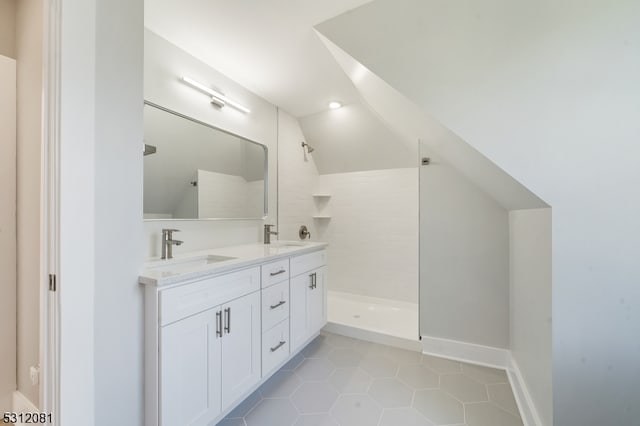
(209, 360)
(208, 352)
(308, 297)
(240, 347)
(190, 371)
(213, 337)
(275, 314)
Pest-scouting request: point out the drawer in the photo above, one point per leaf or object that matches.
(275, 272)
(275, 304)
(307, 262)
(275, 346)
(180, 302)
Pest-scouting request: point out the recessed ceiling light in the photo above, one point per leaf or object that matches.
(334, 104)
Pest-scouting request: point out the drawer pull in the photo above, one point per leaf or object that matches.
(278, 346)
(281, 271)
(277, 305)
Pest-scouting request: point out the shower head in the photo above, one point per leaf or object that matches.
(310, 149)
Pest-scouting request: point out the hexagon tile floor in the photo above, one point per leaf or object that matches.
(339, 381)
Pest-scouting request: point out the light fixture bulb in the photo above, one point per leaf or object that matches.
(335, 105)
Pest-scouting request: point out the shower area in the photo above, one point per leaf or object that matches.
(405, 230)
(373, 252)
(357, 189)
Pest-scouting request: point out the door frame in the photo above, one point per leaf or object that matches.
(49, 214)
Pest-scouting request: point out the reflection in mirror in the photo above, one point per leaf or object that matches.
(195, 171)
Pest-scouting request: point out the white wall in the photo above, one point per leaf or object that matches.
(530, 303)
(464, 260)
(548, 91)
(8, 28)
(372, 235)
(77, 212)
(297, 180)
(29, 53)
(164, 65)
(118, 324)
(7, 231)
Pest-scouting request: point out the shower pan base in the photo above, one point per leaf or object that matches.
(384, 321)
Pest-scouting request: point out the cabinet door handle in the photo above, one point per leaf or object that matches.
(280, 303)
(278, 346)
(227, 320)
(281, 271)
(219, 324)
(313, 281)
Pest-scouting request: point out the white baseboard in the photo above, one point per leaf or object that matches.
(21, 404)
(466, 352)
(489, 357)
(528, 411)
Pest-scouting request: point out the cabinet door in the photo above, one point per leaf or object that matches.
(190, 370)
(316, 301)
(241, 347)
(298, 304)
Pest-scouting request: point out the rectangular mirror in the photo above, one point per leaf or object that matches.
(193, 170)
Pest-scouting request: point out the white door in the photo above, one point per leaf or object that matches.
(300, 289)
(241, 349)
(190, 358)
(316, 301)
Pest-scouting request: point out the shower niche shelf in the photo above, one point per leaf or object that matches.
(321, 200)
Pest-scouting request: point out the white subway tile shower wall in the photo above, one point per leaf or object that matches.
(297, 180)
(373, 232)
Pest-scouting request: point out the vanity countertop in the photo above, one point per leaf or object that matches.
(211, 262)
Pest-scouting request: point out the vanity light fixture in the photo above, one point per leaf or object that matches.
(217, 98)
(335, 105)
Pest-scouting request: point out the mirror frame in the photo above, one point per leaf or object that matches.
(266, 168)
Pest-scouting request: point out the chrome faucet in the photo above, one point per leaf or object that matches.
(268, 233)
(168, 242)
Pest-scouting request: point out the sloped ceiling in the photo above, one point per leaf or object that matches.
(269, 47)
(412, 122)
(433, 71)
(353, 139)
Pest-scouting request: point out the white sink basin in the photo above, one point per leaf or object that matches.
(283, 244)
(178, 265)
